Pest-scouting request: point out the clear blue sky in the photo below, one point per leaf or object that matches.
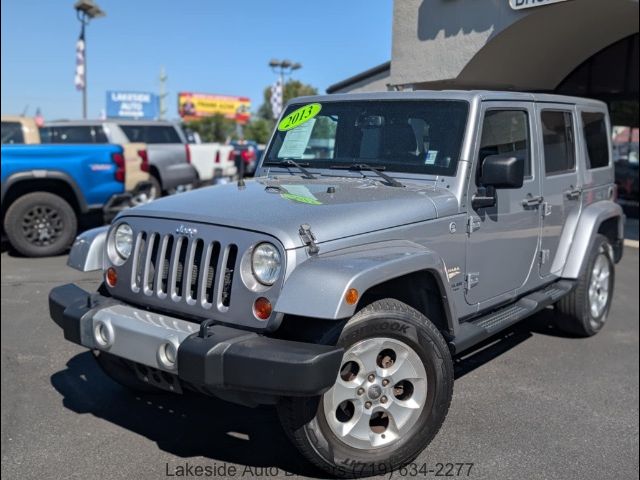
(220, 46)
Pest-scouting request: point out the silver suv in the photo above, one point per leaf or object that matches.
(383, 235)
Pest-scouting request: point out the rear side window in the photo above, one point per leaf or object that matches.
(594, 129)
(75, 134)
(558, 141)
(12, 132)
(151, 133)
(506, 132)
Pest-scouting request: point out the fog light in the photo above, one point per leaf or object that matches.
(168, 354)
(111, 277)
(262, 308)
(103, 334)
(351, 297)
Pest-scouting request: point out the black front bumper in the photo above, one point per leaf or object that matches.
(216, 358)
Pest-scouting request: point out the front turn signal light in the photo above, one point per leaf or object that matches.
(262, 308)
(111, 277)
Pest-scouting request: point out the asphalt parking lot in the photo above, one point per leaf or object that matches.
(533, 404)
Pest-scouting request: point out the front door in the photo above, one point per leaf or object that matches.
(561, 188)
(503, 240)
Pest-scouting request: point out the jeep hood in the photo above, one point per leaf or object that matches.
(334, 207)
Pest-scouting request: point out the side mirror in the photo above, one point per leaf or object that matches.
(502, 171)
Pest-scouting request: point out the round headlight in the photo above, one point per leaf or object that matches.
(123, 240)
(266, 263)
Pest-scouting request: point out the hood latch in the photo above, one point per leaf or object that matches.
(309, 239)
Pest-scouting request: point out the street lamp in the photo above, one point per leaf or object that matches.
(283, 67)
(86, 10)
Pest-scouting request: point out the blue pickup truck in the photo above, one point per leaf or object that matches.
(47, 188)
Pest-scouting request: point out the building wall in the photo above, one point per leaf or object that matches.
(487, 44)
(375, 83)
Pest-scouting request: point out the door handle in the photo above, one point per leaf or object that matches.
(573, 193)
(532, 201)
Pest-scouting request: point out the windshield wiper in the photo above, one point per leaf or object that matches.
(288, 163)
(359, 167)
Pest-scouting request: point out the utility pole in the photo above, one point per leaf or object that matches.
(163, 93)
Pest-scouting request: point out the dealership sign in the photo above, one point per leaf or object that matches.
(192, 106)
(133, 105)
(520, 4)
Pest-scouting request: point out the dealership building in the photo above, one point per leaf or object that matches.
(576, 47)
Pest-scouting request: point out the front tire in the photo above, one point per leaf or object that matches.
(583, 312)
(40, 224)
(390, 398)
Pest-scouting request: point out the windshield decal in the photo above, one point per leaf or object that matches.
(299, 116)
(296, 141)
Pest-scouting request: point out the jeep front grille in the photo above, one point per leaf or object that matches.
(184, 269)
(196, 276)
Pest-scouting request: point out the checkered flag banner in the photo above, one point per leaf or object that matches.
(79, 78)
(276, 99)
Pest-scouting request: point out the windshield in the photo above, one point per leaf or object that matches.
(399, 136)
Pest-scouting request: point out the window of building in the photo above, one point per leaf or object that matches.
(558, 142)
(594, 129)
(506, 132)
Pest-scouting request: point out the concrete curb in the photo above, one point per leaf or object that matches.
(630, 243)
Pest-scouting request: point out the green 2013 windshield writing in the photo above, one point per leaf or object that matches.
(299, 116)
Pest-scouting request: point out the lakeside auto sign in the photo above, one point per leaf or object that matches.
(521, 4)
(192, 106)
(132, 105)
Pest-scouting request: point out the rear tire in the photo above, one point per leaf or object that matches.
(40, 224)
(382, 426)
(583, 312)
(156, 188)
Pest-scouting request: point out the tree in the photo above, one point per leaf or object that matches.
(292, 89)
(259, 130)
(216, 128)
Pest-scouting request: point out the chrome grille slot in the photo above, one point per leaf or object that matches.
(211, 265)
(230, 254)
(190, 277)
(138, 262)
(162, 279)
(150, 263)
(177, 268)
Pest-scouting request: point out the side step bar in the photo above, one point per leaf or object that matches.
(481, 328)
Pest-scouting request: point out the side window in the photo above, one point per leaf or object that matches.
(506, 131)
(78, 134)
(595, 134)
(558, 142)
(46, 134)
(12, 132)
(161, 134)
(135, 133)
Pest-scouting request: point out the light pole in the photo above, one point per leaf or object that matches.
(86, 10)
(282, 68)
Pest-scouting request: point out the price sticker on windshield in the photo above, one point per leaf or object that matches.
(299, 116)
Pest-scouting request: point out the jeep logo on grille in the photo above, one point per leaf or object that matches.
(186, 231)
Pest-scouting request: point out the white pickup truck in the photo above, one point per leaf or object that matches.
(212, 161)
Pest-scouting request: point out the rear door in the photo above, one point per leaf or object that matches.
(561, 186)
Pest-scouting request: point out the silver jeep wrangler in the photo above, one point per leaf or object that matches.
(383, 235)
